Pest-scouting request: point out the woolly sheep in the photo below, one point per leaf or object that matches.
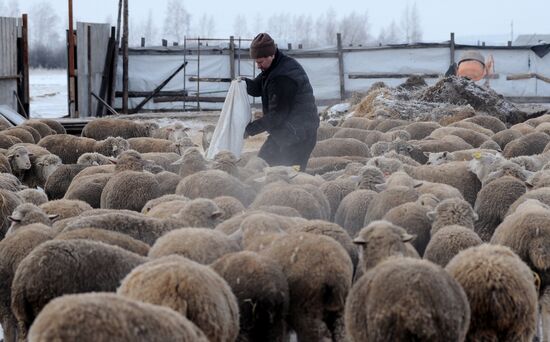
(42, 167)
(165, 198)
(490, 145)
(470, 136)
(195, 291)
(529, 144)
(319, 274)
(501, 292)
(100, 129)
(542, 195)
(207, 134)
(192, 162)
(110, 238)
(27, 213)
(95, 317)
(198, 244)
(472, 126)
(452, 211)
(335, 191)
(523, 128)
(8, 202)
(5, 166)
(33, 132)
(341, 147)
(172, 132)
(93, 159)
(413, 218)
(56, 126)
(20, 134)
(72, 267)
(532, 163)
(69, 148)
(263, 298)
(504, 137)
(489, 122)
(493, 202)
(438, 158)
(164, 160)
(355, 122)
(293, 196)
(380, 240)
(429, 200)
(59, 181)
(12, 250)
(11, 183)
(449, 143)
(420, 130)
(388, 199)
(381, 304)
(7, 141)
(258, 230)
(215, 183)
(386, 165)
(320, 165)
(145, 145)
(507, 168)
(168, 182)
(399, 178)
(387, 124)
(448, 242)
(230, 206)
(19, 158)
(350, 214)
(33, 196)
(88, 189)
(129, 190)
(455, 174)
(167, 209)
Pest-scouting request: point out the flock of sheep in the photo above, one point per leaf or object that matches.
(397, 231)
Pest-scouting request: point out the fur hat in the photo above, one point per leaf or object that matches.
(262, 46)
(472, 55)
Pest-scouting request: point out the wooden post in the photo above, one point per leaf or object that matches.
(25, 46)
(125, 60)
(89, 67)
(452, 47)
(107, 75)
(482, 43)
(175, 44)
(289, 46)
(111, 99)
(232, 57)
(198, 73)
(71, 57)
(142, 41)
(300, 46)
(164, 42)
(341, 66)
(509, 43)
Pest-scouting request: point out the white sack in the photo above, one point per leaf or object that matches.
(235, 115)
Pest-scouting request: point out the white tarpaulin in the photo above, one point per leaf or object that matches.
(235, 115)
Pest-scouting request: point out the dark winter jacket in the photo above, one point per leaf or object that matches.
(288, 104)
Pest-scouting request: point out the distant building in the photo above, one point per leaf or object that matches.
(532, 39)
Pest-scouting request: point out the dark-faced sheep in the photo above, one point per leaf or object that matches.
(405, 299)
(102, 317)
(72, 267)
(41, 169)
(263, 298)
(193, 290)
(448, 242)
(319, 274)
(501, 292)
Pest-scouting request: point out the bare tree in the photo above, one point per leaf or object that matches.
(206, 26)
(390, 34)
(326, 27)
(355, 28)
(177, 21)
(406, 23)
(13, 8)
(44, 24)
(150, 30)
(410, 24)
(240, 26)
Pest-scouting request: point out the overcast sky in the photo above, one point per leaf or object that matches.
(438, 17)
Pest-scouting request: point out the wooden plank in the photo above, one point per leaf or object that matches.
(25, 92)
(355, 76)
(232, 57)
(341, 66)
(90, 69)
(8, 62)
(125, 36)
(452, 47)
(209, 99)
(516, 77)
(72, 98)
(117, 52)
(209, 79)
(147, 93)
(107, 74)
(529, 99)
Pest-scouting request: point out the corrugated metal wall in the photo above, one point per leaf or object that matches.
(9, 28)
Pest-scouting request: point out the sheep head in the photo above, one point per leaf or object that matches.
(20, 158)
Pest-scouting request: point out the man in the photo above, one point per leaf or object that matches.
(472, 65)
(289, 111)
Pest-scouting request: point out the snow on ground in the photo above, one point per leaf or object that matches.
(48, 90)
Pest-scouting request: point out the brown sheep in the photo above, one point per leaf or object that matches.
(56, 126)
(59, 181)
(111, 238)
(413, 218)
(529, 144)
(129, 190)
(69, 148)
(504, 137)
(388, 199)
(341, 147)
(65, 208)
(450, 212)
(100, 129)
(8, 202)
(448, 242)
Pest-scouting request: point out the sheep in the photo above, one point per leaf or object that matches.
(168, 182)
(226, 161)
(452, 211)
(290, 195)
(355, 122)
(21, 134)
(490, 145)
(173, 132)
(489, 122)
(380, 240)
(100, 129)
(413, 218)
(215, 183)
(192, 161)
(11, 183)
(279, 210)
(27, 213)
(420, 130)
(8, 202)
(33, 196)
(438, 158)
(455, 174)
(319, 274)
(387, 124)
(523, 128)
(449, 143)
(56, 126)
(399, 178)
(350, 169)
(88, 189)
(371, 137)
(129, 190)
(351, 212)
(165, 198)
(326, 131)
(230, 206)
(106, 317)
(165, 160)
(7, 141)
(341, 147)
(42, 167)
(200, 212)
(388, 199)
(529, 144)
(5, 166)
(501, 292)
(110, 238)
(263, 298)
(258, 230)
(532, 163)
(42, 128)
(429, 200)
(59, 181)
(93, 159)
(504, 137)
(472, 126)
(35, 135)
(507, 168)
(542, 195)
(145, 145)
(405, 299)
(207, 134)
(19, 158)
(320, 165)
(71, 268)
(369, 178)
(198, 244)
(65, 208)
(69, 147)
(335, 191)
(493, 202)
(448, 242)
(402, 158)
(469, 136)
(12, 250)
(386, 165)
(166, 209)
(195, 291)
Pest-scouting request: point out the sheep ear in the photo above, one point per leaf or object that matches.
(169, 129)
(406, 237)
(529, 184)
(178, 162)
(113, 160)
(185, 129)
(431, 215)
(10, 156)
(40, 163)
(355, 179)
(445, 154)
(380, 187)
(260, 180)
(216, 214)
(13, 219)
(359, 241)
(53, 217)
(417, 184)
(537, 280)
(30, 154)
(427, 154)
(476, 216)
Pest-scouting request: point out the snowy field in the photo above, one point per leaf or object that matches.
(48, 90)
